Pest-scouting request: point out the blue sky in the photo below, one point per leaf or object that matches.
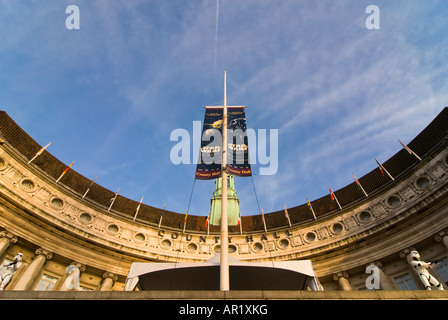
(109, 95)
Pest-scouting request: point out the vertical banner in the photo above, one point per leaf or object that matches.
(237, 145)
(210, 154)
(209, 162)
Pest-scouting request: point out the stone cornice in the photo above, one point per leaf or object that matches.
(55, 205)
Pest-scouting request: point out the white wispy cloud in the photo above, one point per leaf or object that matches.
(339, 94)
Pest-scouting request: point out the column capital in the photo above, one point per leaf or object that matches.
(8, 235)
(81, 267)
(338, 275)
(44, 252)
(110, 275)
(440, 235)
(405, 252)
(376, 263)
(343, 280)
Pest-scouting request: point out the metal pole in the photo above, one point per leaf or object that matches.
(224, 261)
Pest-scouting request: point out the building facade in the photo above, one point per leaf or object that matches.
(63, 232)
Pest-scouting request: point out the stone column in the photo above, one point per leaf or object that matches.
(108, 282)
(386, 282)
(6, 238)
(72, 285)
(30, 274)
(343, 280)
(442, 236)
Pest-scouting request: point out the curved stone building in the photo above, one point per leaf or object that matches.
(55, 227)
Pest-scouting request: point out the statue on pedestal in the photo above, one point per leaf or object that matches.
(421, 268)
(11, 268)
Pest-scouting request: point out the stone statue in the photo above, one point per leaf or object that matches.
(11, 268)
(421, 268)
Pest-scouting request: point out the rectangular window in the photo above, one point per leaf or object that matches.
(46, 283)
(442, 269)
(405, 282)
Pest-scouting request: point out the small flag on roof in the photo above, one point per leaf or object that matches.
(138, 208)
(65, 171)
(185, 220)
(359, 185)
(383, 170)
(287, 215)
(409, 150)
(264, 222)
(311, 207)
(161, 215)
(90, 186)
(39, 152)
(333, 198)
(113, 199)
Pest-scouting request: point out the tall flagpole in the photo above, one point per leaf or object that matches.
(224, 259)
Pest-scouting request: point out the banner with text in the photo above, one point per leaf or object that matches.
(210, 154)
